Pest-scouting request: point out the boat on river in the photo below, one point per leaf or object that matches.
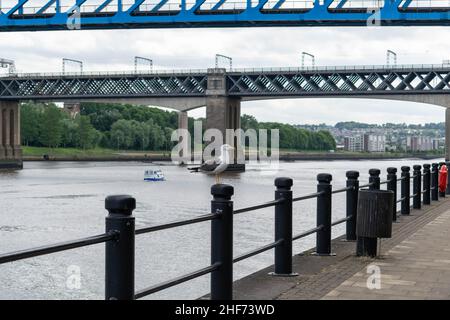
(153, 175)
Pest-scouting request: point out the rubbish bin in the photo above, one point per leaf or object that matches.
(373, 220)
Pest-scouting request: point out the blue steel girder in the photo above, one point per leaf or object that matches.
(20, 15)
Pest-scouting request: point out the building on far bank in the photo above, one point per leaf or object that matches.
(421, 143)
(374, 143)
(365, 142)
(353, 143)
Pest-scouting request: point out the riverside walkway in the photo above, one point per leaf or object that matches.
(414, 264)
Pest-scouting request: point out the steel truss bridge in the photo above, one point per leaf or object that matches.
(34, 15)
(244, 83)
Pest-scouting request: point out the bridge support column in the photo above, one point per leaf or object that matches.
(223, 112)
(10, 147)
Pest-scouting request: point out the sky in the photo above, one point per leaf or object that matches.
(249, 47)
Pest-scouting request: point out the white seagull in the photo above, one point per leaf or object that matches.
(216, 165)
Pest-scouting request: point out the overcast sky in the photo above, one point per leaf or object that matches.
(250, 47)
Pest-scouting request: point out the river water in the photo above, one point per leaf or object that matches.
(48, 202)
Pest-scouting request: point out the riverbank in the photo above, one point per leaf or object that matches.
(71, 154)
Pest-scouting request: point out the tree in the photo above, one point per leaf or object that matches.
(30, 117)
(85, 132)
(51, 127)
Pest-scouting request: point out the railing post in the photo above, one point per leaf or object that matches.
(283, 227)
(222, 242)
(417, 186)
(434, 182)
(374, 178)
(392, 186)
(352, 204)
(119, 253)
(405, 186)
(323, 236)
(426, 184)
(365, 244)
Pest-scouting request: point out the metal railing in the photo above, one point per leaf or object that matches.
(119, 237)
(399, 67)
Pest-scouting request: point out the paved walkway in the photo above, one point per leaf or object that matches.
(415, 264)
(416, 268)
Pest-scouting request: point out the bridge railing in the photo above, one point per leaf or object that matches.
(120, 234)
(401, 67)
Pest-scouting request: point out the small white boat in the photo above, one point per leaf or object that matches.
(153, 175)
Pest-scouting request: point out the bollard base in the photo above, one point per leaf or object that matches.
(366, 247)
(273, 274)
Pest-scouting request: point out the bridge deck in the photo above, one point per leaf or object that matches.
(415, 263)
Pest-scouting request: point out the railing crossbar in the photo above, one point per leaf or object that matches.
(176, 281)
(257, 251)
(259, 206)
(308, 196)
(341, 221)
(342, 190)
(307, 233)
(206, 217)
(366, 185)
(62, 246)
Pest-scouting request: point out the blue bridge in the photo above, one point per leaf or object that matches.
(34, 15)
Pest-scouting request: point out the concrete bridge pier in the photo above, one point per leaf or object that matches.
(223, 112)
(10, 146)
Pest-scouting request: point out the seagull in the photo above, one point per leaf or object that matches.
(216, 165)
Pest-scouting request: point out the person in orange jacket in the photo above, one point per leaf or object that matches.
(443, 172)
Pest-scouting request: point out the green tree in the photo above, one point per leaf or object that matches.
(51, 127)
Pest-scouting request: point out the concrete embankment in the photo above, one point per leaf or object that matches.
(283, 157)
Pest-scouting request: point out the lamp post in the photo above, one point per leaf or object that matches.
(142, 60)
(71, 61)
(221, 56)
(391, 54)
(313, 59)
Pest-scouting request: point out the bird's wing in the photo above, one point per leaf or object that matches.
(208, 167)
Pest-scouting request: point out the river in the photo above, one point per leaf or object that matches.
(48, 202)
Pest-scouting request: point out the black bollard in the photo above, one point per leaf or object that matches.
(417, 186)
(426, 184)
(323, 236)
(352, 204)
(119, 254)
(222, 242)
(405, 190)
(374, 179)
(392, 185)
(435, 182)
(283, 227)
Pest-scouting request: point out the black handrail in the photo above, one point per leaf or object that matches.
(176, 281)
(308, 196)
(342, 190)
(259, 206)
(335, 223)
(257, 251)
(174, 224)
(307, 233)
(57, 247)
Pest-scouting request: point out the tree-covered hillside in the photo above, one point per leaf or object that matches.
(131, 127)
